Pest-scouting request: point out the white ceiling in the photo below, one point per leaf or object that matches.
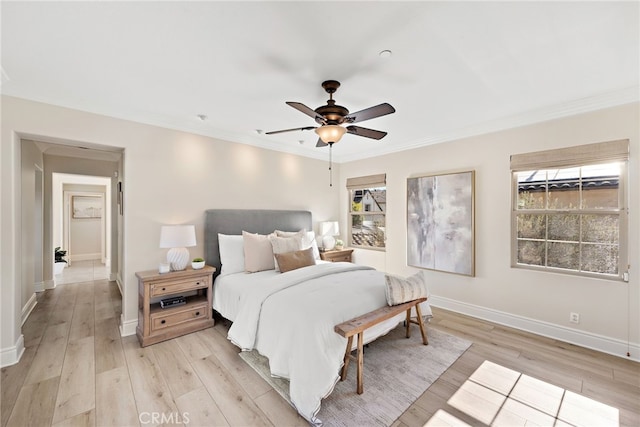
(457, 68)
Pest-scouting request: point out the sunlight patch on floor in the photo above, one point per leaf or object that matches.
(498, 396)
(444, 419)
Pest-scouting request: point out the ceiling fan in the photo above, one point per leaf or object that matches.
(331, 117)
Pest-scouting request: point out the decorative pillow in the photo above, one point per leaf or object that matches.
(231, 253)
(399, 290)
(258, 254)
(280, 233)
(297, 259)
(308, 240)
(281, 245)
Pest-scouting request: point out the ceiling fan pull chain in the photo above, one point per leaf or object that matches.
(330, 164)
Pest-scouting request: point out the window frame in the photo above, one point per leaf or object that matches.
(622, 210)
(365, 183)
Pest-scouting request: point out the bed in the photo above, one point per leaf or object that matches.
(289, 317)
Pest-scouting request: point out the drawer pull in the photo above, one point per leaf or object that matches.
(197, 313)
(164, 289)
(163, 321)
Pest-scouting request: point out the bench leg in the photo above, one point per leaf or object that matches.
(360, 363)
(421, 324)
(408, 323)
(347, 359)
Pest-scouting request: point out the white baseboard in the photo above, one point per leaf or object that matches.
(39, 287)
(87, 257)
(11, 355)
(601, 343)
(127, 328)
(28, 307)
(119, 283)
(49, 284)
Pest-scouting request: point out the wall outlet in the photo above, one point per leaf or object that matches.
(574, 318)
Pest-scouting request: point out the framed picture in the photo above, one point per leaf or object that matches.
(83, 207)
(440, 222)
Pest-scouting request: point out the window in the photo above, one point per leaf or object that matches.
(367, 210)
(568, 212)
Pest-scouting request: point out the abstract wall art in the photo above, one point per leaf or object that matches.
(440, 222)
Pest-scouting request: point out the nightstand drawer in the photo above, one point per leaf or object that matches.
(341, 258)
(338, 255)
(177, 316)
(176, 287)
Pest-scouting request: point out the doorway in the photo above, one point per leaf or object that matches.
(82, 226)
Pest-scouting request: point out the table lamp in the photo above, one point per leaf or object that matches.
(328, 231)
(177, 238)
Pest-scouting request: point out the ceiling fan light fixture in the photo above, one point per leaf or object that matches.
(330, 133)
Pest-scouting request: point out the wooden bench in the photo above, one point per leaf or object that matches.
(361, 323)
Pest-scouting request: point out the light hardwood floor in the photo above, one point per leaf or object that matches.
(82, 271)
(77, 371)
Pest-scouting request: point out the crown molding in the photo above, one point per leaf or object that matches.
(571, 108)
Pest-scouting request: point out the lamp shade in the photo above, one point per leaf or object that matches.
(329, 228)
(177, 236)
(330, 133)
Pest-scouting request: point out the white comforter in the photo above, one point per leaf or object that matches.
(290, 319)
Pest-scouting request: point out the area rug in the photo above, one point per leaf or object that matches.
(396, 372)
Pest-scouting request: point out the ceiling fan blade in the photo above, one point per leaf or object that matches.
(308, 111)
(321, 143)
(368, 133)
(370, 113)
(273, 132)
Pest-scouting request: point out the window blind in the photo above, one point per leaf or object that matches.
(370, 181)
(610, 151)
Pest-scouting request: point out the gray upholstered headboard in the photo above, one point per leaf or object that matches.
(234, 221)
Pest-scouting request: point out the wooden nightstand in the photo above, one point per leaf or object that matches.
(337, 255)
(157, 324)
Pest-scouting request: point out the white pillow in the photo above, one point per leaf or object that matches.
(258, 254)
(308, 240)
(399, 290)
(231, 253)
(281, 245)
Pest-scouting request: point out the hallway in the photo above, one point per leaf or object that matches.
(82, 271)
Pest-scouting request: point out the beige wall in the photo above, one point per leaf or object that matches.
(170, 177)
(538, 301)
(173, 177)
(30, 160)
